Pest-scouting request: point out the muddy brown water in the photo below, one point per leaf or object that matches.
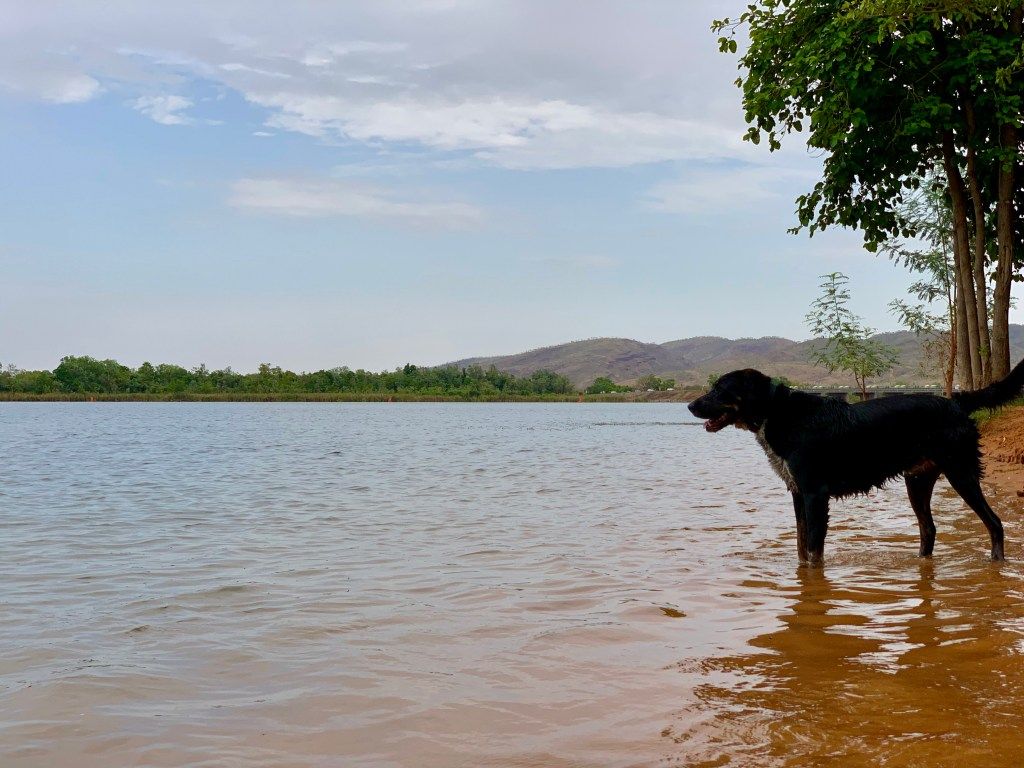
(476, 585)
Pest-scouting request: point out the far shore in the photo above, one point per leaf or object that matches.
(678, 396)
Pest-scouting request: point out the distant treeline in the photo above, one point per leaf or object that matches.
(88, 376)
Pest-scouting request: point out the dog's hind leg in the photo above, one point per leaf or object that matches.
(801, 526)
(969, 488)
(919, 489)
(816, 514)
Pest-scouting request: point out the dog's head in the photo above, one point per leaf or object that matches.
(740, 397)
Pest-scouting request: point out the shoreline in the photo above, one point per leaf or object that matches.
(1002, 454)
(682, 396)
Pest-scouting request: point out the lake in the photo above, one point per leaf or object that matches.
(443, 585)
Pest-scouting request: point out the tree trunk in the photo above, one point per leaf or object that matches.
(951, 314)
(980, 283)
(1006, 230)
(963, 360)
(962, 254)
(947, 378)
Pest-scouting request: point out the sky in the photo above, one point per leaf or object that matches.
(373, 183)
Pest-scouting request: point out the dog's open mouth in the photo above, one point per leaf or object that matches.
(719, 422)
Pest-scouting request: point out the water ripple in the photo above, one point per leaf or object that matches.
(462, 585)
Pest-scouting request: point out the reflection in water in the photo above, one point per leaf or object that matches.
(918, 668)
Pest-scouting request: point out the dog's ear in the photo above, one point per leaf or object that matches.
(755, 384)
(755, 398)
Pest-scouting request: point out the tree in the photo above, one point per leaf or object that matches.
(892, 92)
(930, 257)
(544, 381)
(654, 382)
(37, 382)
(848, 345)
(603, 385)
(86, 374)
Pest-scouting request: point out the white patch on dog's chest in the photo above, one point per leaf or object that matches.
(777, 462)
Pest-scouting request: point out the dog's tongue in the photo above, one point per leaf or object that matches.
(713, 425)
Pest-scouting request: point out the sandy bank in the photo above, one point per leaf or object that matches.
(1002, 447)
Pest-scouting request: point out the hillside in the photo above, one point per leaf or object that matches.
(691, 361)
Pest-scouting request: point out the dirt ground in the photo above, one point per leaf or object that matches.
(1002, 447)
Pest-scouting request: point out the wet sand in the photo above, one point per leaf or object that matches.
(1002, 446)
(453, 585)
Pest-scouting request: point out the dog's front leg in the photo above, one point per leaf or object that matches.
(801, 526)
(816, 515)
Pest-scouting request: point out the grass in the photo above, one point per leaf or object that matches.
(982, 416)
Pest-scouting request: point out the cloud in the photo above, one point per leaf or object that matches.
(71, 89)
(328, 198)
(165, 110)
(722, 190)
(324, 55)
(607, 139)
(51, 84)
(512, 134)
(509, 83)
(234, 66)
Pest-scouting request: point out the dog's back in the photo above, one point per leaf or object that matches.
(854, 448)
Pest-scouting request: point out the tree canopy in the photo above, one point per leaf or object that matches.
(891, 93)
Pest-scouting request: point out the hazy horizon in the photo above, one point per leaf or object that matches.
(214, 365)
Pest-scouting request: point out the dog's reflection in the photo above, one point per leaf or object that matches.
(870, 675)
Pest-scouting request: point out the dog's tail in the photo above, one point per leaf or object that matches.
(994, 395)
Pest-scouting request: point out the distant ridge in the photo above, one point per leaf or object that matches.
(691, 361)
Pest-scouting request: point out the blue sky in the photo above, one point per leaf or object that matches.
(317, 184)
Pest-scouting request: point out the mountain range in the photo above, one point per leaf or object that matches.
(691, 361)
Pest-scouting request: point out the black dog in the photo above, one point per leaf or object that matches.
(825, 448)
